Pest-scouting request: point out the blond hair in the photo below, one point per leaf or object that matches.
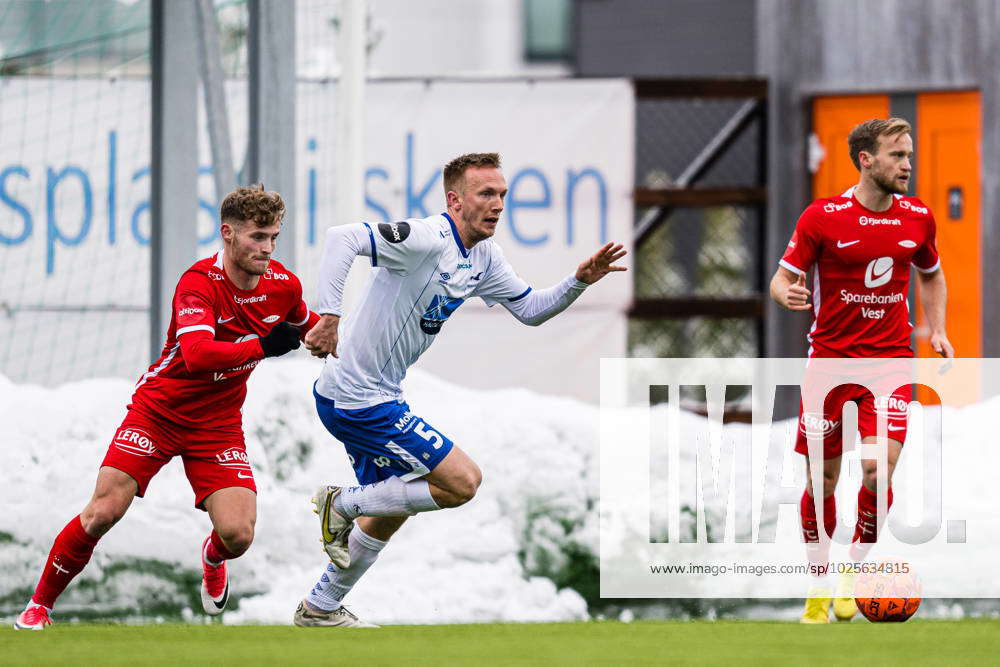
(864, 137)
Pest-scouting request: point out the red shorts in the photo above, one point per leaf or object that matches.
(213, 458)
(830, 423)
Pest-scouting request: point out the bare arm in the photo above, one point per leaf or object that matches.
(788, 290)
(933, 299)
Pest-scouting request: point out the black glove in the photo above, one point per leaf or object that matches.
(283, 338)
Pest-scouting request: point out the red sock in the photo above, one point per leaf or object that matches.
(867, 528)
(70, 553)
(807, 509)
(216, 551)
(817, 552)
(830, 514)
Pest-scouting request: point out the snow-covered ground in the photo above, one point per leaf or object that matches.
(538, 454)
(536, 510)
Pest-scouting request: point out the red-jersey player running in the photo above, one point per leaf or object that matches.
(859, 247)
(230, 311)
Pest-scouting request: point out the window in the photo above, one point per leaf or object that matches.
(547, 30)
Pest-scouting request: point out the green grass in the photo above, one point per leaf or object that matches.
(552, 644)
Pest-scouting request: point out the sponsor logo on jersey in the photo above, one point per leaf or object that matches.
(445, 277)
(234, 457)
(134, 441)
(467, 265)
(189, 311)
(878, 272)
(813, 424)
(271, 275)
(866, 220)
(223, 320)
(249, 299)
(271, 318)
(831, 207)
(394, 232)
(891, 404)
(872, 299)
(478, 276)
(908, 243)
(249, 366)
(913, 207)
(437, 312)
(215, 276)
(842, 244)
(404, 420)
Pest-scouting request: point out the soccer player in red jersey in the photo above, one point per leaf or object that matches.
(859, 247)
(230, 311)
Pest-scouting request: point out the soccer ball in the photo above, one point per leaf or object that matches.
(887, 594)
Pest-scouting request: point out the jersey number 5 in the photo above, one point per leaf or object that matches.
(429, 434)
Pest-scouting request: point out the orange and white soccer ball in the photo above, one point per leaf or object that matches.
(887, 594)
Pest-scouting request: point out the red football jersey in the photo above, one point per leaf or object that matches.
(860, 261)
(210, 392)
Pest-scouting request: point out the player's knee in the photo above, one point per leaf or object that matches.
(237, 537)
(829, 483)
(468, 484)
(871, 481)
(101, 514)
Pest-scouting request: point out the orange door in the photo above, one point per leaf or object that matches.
(947, 148)
(833, 120)
(948, 130)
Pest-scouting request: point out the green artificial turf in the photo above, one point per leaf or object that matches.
(738, 643)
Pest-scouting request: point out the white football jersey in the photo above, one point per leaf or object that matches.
(421, 274)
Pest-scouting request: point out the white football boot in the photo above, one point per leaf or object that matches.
(340, 617)
(335, 528)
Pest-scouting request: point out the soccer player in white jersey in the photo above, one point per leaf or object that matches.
(423, 271)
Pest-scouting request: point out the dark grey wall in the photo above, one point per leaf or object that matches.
(807, 47)
(665, 38)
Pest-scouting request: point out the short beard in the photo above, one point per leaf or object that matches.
(888, 186)
(253, 270)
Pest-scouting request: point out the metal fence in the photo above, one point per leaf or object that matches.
(700, 209)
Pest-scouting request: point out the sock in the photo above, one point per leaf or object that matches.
(818, 552)
(390, 497)
(334, 584)
(70, 553)
(216, 551)
(867, 528)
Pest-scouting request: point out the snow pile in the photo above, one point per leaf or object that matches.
(538, 455)
(534, 522)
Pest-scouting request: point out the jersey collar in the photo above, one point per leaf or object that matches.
(454, 233)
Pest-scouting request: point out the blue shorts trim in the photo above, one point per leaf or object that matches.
(384, 440)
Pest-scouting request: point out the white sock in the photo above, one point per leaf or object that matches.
(390, 497)
(335, 583)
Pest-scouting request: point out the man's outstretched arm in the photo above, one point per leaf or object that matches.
(343, 244)
(538, 306)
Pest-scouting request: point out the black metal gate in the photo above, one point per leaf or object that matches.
(700, 198)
